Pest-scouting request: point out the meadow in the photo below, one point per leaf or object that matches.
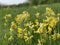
(31, 25)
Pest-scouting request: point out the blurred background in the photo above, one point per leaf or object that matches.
(18, 3)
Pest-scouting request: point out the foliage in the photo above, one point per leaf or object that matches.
(37, 2)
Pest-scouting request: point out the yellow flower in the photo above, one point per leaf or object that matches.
(11, 29)
(10, 38)
(58, 36)
(37, 22)
(17, 19)
(54, 36)
(42, 28)
(37, 15)
(41, 40)
(58, 14)
(20, 35)
(19, 30)
(28, 24)
(25, 32)
(49, 29)
(25, 12)
(52, 21)
(32, 26)
(25, 37)
(8, 15)
(13, 25)
(22, 17)
(39, 30)
(31, 36)
(49, 11)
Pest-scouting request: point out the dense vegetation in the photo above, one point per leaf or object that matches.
(34, 23)
(36, 2)
(32, 2)
(29, 26)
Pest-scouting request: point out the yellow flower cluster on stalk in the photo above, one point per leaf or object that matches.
(7, 17)
(49, 11)
(37, 15)
(48, 24)
(22, 17)
(10, 38)
(13, 26)
(20, 31)
(56, 36)
(52, 20)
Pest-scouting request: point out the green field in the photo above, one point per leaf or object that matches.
(14, 11)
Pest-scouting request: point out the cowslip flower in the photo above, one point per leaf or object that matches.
(20, 35)
(49, 11)
(37, 15)
(58, 36)
(54, 37)
(49, 30)
(36, 21)
(22, 17)
(51, 21)
(8, 15)
(19, 30)
(13, 25)
(10, 38)
(58, 14)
